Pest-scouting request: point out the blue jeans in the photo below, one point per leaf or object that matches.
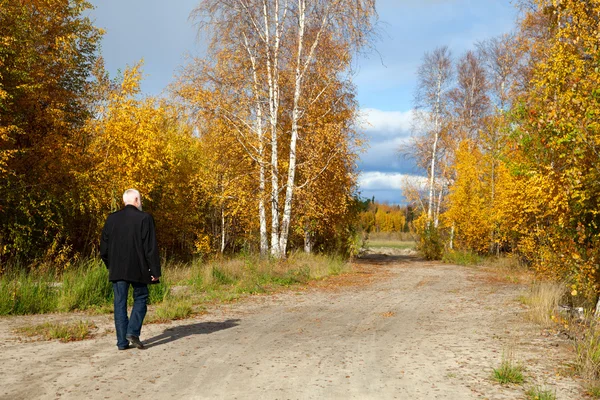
(131, 326)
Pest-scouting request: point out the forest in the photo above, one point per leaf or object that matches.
(253, 149)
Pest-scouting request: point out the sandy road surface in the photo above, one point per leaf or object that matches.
(410, 330)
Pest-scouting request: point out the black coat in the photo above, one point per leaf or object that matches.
(128, 246)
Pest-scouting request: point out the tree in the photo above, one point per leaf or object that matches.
(47, 56)
(273, 45)
(434, 79)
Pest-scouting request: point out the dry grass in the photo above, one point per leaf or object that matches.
(508, 269)
(543, 300)
(65, 332)
(587, 347)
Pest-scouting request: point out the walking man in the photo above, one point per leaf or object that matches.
(129, 250)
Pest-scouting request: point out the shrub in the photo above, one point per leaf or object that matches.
(430, 243)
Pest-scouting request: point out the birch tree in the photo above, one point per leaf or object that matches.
(277, 38)
(431, 99)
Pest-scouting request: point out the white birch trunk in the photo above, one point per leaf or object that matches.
(301, 67)
(434, 147)
(222, 229)
(308, 245)
(262, 215)
(272, 57)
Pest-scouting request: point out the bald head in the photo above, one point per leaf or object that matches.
(132, 197)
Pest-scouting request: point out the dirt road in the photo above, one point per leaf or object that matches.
(399, 329)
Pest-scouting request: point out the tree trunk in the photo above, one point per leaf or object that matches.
(308, 243)
(289, 191)
(272, 57)
(222, 229)
(434, 148)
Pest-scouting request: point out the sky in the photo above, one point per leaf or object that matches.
(161, 33)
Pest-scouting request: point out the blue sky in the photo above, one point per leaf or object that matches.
(160, 32)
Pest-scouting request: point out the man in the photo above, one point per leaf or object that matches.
(129, 250)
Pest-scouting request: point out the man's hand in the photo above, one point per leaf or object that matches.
(153, 278)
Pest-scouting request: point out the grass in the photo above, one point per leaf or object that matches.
(22, 294)
(170, 310)
(542, 301)
(86, 286)
(65, 332)
(462, 257)
(393, 244)
(593, 389)
(587, 349)
(539, 393)
(509, 371)
(509, 267)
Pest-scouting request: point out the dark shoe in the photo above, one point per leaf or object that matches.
(135, 341)
(123, 348)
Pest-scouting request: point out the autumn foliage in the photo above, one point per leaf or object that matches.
(518, 166)
(72, 138)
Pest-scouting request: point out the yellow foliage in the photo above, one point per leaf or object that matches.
(469, 212)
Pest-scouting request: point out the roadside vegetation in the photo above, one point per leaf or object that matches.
(184, 287)
(507, 134)
(63, 331)
(509, 370)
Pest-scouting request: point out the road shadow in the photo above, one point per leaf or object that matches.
(182, 331)
(384, 259)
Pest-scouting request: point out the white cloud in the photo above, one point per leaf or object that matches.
(388, 181)
(386, 123)
(385, 156)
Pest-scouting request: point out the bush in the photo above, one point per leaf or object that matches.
(430, 243)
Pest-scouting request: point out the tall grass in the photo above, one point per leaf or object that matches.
(588, 353)
(86, 286)
(543, 300)
(22, 293)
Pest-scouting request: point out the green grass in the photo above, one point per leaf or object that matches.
(65, 332)
(462, 258)
(509, 371)
(539, 393)
(593, 389)
(85, 287)
(22, 294)
(171, 309)
(392, 244)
